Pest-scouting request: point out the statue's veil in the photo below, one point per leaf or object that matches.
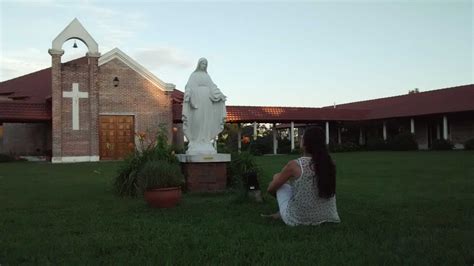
(199, 62)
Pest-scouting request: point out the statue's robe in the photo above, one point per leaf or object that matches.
(204, 113)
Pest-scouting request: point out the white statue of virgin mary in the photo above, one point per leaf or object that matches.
(204, 111)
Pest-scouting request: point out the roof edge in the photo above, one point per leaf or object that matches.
(116, 53)
(401, 95)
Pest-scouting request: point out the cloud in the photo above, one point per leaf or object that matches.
(103, 20)
(163, 57)
(108, 26)
(22, 63)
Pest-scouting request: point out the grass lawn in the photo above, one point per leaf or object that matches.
(396, 208)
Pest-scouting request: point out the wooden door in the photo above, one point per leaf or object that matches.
(116, 136)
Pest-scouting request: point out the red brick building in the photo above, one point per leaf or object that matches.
(89, 109)
(84, 110)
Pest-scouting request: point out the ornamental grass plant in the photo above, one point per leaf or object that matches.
(159, 174)
(126, 182)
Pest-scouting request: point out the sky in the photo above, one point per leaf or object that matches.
(265, 53)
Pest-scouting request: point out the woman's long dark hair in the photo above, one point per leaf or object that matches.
(314, 142)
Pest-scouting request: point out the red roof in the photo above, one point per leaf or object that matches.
(273, 114)
(28, 96)
(24, 112)
(36, 85)
(456, 99)
(447, 100)
(177, 96)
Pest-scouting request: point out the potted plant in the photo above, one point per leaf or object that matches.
(161, 181)
(151, 147)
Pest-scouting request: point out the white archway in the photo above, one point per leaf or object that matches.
(75, 30)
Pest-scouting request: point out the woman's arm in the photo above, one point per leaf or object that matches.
(290, 170)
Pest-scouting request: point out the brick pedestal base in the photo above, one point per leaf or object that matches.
(205, 177)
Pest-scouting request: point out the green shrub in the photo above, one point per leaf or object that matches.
(403, 142)
(159, 174)
(178, 150)
(469, 145)
(240, 165)
(6, 158)
(222, 148)
(126, 181)
(284, 146)
(259, 147)
(442, 145)
(344, 147)
(297, 151)
(376, 144)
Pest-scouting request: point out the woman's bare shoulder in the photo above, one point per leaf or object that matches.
(294, 167)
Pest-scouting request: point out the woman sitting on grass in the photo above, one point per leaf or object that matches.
(306, 187)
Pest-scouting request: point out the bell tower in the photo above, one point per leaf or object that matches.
(75, 99)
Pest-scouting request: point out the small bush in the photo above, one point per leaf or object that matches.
(241, 165)
(344, 147)
(284, 146)
(376, 145)
(258, 148)
(6, 158)
(403, 142)
(442, 145)
(159, 174)
(469, 145)
(297, 151)
(222, 148)
(126, 181)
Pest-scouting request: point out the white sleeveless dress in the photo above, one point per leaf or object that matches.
(304, 206)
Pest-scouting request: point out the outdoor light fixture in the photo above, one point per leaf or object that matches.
(116, 82)
(74, 45)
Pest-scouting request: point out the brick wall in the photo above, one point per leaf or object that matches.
(134, 95)
(205, 177)
(26, 138)
(66, 141)
(76, 142)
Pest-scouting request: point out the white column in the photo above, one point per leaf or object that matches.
(239, 137)
(254, 130)
(339, 135)
(292, 135)
(361, 138)
(445, 127)
(275, 141)
(412, 126)
(327, 132)
(384, 131)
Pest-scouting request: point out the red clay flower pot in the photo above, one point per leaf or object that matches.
(163, 197)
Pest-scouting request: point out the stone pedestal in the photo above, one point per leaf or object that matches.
(205, 173)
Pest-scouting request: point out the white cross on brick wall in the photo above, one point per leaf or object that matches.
(75, 94)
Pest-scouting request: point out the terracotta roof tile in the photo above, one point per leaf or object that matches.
(24, 112)
(273, 114)
(36, 85)
(447, 100)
